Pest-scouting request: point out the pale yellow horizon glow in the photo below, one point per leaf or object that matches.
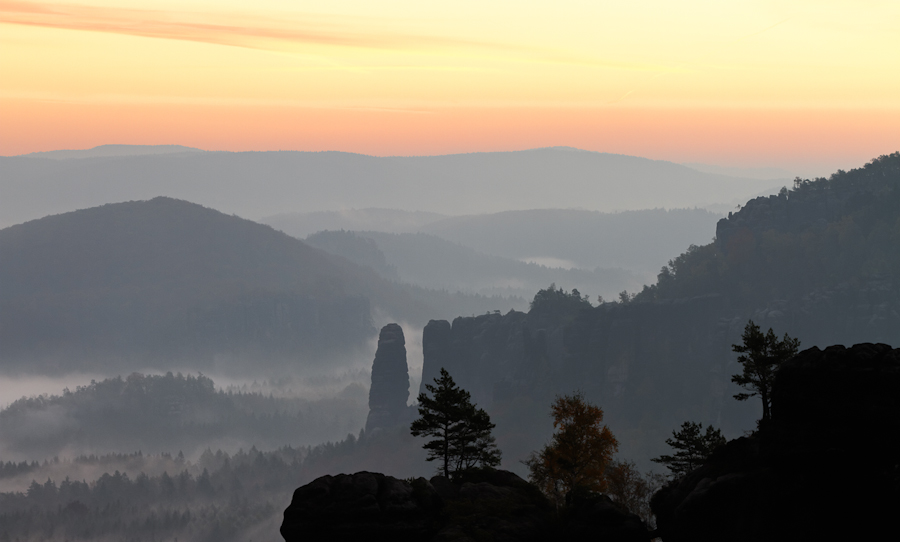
(174, 72)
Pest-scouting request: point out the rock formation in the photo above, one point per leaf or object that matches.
(365, 505)
(390, 380)
(477, 505)
(650, 366)
(824, 468)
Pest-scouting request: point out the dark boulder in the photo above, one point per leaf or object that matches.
(363, 505)
(496, 505)
(480, 504)
(592, 516)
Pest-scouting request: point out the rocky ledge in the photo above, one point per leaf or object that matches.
(483, 504)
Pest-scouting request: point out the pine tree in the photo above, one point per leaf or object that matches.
(761, 355)
(462, 432)
(693, 447)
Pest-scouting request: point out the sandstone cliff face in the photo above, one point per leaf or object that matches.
(390, 380)
(824, 468)
(650, 366)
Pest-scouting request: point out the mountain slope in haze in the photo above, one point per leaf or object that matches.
(431, 262)
(257, 184)
(301, 225)
(170, 283)
(641, 241)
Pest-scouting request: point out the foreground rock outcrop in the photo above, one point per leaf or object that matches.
(363, 505)
(826, 467)
(478, 505)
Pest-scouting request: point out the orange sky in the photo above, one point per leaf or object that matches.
(804, 85)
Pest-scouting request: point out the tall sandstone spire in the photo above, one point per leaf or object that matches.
(390, 380)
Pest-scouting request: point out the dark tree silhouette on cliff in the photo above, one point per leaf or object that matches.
(578, 454)
(761, 355)
(693, 447)
(462, 431)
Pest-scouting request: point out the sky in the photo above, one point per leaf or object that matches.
(791, 83)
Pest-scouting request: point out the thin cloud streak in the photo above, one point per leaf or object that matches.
(270, 34)
(258, 34)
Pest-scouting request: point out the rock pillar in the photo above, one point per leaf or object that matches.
(390, 380)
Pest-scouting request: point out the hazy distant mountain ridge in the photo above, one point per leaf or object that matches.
(432, 262)
(301, 225)
(641, 240)
(105, 151)
(257, 184)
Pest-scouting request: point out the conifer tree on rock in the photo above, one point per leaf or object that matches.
(462, 432)
(761, 355)
(693, 446)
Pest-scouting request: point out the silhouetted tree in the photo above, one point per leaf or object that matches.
(693, 447)
(462, 431)
(474, 444)
(761, 355)
(579, 452)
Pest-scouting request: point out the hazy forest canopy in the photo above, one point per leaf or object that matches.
(161, 413)
(258, 184)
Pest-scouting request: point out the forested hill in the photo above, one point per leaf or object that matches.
(821, 235)
(160, 413)
(164, 281)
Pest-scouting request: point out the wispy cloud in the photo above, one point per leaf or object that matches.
(234, 29)
(281, 32)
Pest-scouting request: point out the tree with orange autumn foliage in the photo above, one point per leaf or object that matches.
(579, 452)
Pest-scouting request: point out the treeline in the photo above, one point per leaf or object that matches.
(159, 412)
(218, 497)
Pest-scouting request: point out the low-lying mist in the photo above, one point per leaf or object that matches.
(167, 412)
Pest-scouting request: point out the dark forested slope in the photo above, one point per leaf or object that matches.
(163, 282)
(820, 235)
